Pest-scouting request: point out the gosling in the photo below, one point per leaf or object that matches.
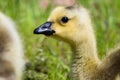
(73, 25)
(11, 51)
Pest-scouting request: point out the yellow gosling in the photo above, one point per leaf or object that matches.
(73, 25)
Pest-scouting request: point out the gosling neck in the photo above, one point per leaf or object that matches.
(86, 48)
(84, 59)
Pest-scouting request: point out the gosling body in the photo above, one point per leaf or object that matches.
(11, 51)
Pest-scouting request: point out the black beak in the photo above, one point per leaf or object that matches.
(45, 29)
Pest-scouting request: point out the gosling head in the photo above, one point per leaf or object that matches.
(70, 24)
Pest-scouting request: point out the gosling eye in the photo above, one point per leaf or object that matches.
(64, 19)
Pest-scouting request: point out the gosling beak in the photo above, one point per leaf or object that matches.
(44, 29)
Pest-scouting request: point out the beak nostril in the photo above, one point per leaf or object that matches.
(47, 25)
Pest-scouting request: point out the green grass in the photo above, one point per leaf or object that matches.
(47, 58)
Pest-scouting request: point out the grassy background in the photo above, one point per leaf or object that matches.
(47, 58)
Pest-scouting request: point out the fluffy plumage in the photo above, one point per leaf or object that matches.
(11, 51)
(73, 25)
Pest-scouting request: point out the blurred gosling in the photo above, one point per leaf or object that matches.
(11, 51)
